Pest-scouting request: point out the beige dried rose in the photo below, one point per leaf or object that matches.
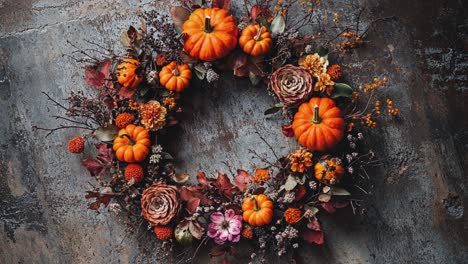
(315, 64)
(292, 84)
(160, 203)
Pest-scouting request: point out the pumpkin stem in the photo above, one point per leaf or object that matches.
(256, 207)
(130, 140)
(316, 118)
(176, 72)
(259, 33)
(208, 27)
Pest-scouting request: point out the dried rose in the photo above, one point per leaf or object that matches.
(160, 203)
(291, 84)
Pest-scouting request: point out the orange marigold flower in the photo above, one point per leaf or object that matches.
(247, 233)
(261, 176)
(163, 232)
(300, 160)
(335, 72)
(292, 215)
(160, 59)
(134, 172)
(153, 115)
(76, 145)
(124, 119)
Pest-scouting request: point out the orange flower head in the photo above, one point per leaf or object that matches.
(292, 215)
(261, 176)
(335, 72)
(163, 232)
(76, 145)
(247, 233)
(134, 172)
(153, 115)
(300, 160)
(124, 119)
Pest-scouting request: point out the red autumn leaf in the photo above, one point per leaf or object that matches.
(314, 224)
(300, 192)
(257, 11)
(192, 205)
(196, 230)
(105, 68)
(125, 93)
(201, 178)
(223, 184)
(287, 130)
(331, 207)
(94, 77)
(242, 180)
(311, 236)
(224, 4)
(188, 193)
(94, 167)
(105, 154)
(101, 198)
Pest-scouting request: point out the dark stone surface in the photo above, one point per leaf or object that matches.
(415, 215)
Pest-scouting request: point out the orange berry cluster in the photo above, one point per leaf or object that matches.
(169, 102)
(336, 19)
(369, 122)
(391, 110)
(377, 107)
(376, 83)
(354, 97)
(308, 5)
(352, 40)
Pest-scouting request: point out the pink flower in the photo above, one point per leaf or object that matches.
(225, 227)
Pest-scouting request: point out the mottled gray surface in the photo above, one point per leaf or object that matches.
(416, 214)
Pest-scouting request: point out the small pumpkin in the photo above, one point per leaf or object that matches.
(318, 124)
(329, 170)
(183, 235)
(255, 41)
(175, 77)
(129, 74)
(257, 210)
(132, 144)
(209, 33)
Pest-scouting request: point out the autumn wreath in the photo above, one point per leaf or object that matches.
(278, 205)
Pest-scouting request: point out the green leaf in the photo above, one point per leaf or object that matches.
(339, 191)
(342, 89)
(274, 109)
(321, 51)
(106, 133)
(278, 25)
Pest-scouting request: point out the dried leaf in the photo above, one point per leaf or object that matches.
(200, 71)
(314, 224)
(224, 185)
(105, 154)
(291, 183)
(326, 189)
(94, 167)
(125, 39)
(94, 77)
(256, 11)
(287, 130)
(186, 58)
(106, 133)
(192, 205)
(312, 208)
(339, 191)
(278, 26)
(180, 177)
(242, 180)
(223, 4)
(300, 192)
(101, 198)
(201, 178)
(254, 79)
(179, 15)
(196, 230)
(311, 236)
(323, 197)
(125, 93)
(273, 110)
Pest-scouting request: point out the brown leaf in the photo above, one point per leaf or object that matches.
(94, 77)
(134, 35)
(242, 180)
(105, 154)
(224, 4)
(179, 15)
(192, 205)
(224, 185)
(101, 198)
(94, 167)
(257, 11)
(201, 178)
(125, 93)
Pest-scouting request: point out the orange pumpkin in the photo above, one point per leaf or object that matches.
(129, 74)
(318, 124)
(329, 170)
(209, 34)
(257, 210)
(255, 41)
(175, 77)
(132, 144)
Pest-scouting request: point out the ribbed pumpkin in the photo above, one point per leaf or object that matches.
(209, 34)
(255, 41)
(329, 170)
(257, 210)
(132, 144)
(318, 124)
(175, 77)
(129, 75)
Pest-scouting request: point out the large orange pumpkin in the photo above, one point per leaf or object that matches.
(175, 77)
(132, 144)
(318, 124)
(209, 34)
(129, 74)
(257, 210)
(255, 41)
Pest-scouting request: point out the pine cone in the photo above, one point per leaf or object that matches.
(160, 203)
(291, 84)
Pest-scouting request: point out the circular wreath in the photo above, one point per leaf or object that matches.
(275, 206)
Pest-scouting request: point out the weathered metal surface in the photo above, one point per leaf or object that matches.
(416, 214)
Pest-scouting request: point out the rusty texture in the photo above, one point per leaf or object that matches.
(415, 215)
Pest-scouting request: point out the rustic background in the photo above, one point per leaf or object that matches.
(416, 213)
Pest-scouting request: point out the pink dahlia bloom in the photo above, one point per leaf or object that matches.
(225, 227)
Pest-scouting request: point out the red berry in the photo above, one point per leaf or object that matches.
(76, 145)
(134, 172)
